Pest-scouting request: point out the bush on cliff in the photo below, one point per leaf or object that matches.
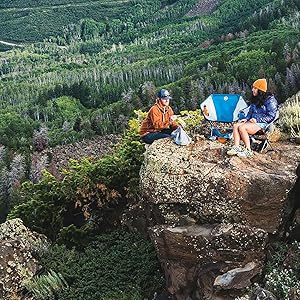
(91, 190)
(119, 265)
(290, 116)
(283, 269)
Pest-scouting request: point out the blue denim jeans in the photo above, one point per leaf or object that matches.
(153, 136)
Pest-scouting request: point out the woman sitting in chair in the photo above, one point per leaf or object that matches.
(261, 113)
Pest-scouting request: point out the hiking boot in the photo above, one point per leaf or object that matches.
(245, 153)
(234, 150)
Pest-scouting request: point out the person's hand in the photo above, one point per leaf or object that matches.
(243, 121)
(252, 120)
(173, 118)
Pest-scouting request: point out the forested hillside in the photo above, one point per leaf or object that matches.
(80, 68)
(94, 72)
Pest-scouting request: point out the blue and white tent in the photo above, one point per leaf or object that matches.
(224, 108)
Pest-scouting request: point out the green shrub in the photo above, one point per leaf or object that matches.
(190, 120)
(90, 190)
(281, 281)
(46, 286)
(281, 275)
(290, 116)
(118, 265)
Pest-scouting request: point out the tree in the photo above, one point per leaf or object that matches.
(16, 173)
(15, 131)
(89, 29)
(247, 64)
(40, 139)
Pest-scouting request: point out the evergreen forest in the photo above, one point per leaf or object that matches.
(71, 70)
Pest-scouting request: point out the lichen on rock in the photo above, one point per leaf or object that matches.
(210, 215)
(212, 187)
(18, 261)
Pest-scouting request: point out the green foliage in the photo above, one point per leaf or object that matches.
(290, 116)
(190, 119)
(89, 190)
(72, 236)
(46, 18)
(281, 281)
(46, 286)
(100, 65)
(122, 167)
(118, 264)
(99, 70)
(68, 108)
(59, 136)
(130, 295)
(246, 63)
(41, 205)
(281, 275)
(15, 131)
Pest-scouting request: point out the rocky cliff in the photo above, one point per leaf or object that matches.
(211, 216)
(18, 263)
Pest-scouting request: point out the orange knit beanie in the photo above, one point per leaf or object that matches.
(261, 84)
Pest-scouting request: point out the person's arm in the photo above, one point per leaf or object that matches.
(156, 117)
(250, 113)
(173, 118)
(271, 110)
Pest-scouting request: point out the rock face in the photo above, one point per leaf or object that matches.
(201, 260)
(210, 215)
(209, 186)
(18, 246)
(295, 230)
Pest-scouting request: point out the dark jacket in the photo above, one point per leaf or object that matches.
(266, 113)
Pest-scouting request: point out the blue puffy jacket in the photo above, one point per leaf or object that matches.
(266, 113)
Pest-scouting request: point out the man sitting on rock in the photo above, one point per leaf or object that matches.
(159, 122)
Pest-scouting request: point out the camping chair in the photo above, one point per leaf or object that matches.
(223, 108)
(260, 140)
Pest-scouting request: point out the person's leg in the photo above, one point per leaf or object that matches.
(236, 137)
(246, 129)
(236, 134)
(153, 136)
(167, 131)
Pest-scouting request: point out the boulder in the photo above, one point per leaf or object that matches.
(201, 183)
(204, 258)
(262, 294)
(295, 226)
(237, 278)
(210, 215)
(18, 262)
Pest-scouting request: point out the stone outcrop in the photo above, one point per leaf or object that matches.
(295, 228)
(208, 186)
(210, 215)
(200, 260)
(18, 248)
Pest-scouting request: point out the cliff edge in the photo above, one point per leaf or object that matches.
(211, 216)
